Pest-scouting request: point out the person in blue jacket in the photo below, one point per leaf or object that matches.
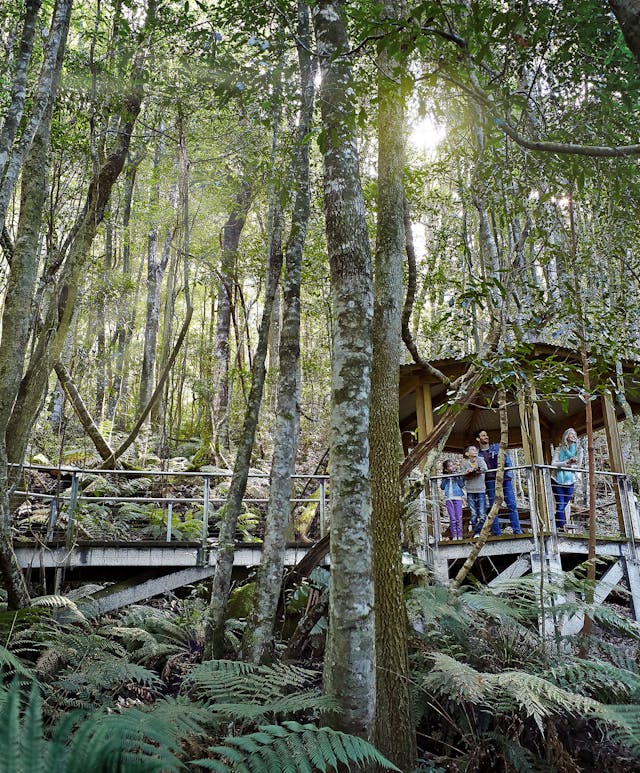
(452, 486)
(489, 452)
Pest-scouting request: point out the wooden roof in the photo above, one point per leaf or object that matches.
(555, 371)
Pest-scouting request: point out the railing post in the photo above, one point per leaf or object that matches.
(53, 517)
(629, 513)
(533, 509)
(435, 515)
(169, 520)
(73, 501)
(205, 522)
(323, 508)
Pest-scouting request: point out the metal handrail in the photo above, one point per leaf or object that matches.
(74, 497)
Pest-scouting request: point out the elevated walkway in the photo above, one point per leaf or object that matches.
(544, 549)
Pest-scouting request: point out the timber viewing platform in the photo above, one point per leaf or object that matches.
(157, 529)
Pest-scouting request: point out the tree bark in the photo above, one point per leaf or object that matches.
(350, 654)
(627, 12)
(219, 400)
(394, 727)
(258, 638)
(17, 314)
(62, 303)
(13, 115)
(14, 156)
(214, 631)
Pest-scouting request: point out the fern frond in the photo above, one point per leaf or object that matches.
(226, 681)
(13, 664)
(131, 741)
(55, 601)
(293, 747)
(32, 750)
(599, 680)
(624, 725)
(505, 692)
(454, 680)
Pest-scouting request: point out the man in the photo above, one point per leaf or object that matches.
(489, 452)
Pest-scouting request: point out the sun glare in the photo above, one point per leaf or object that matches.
(426, 135)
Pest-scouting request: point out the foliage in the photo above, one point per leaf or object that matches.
(292, 746)
(486, 683)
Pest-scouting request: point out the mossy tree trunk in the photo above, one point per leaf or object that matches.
(214, 628)
(258, 639)
(350, 652)
(394, 730)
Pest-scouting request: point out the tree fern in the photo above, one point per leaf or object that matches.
(504, 693)
(292, 748)
(130, 741)
(248, 692)
(624, 724)
(597, 679)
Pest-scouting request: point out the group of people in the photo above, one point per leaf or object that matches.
(476, 478)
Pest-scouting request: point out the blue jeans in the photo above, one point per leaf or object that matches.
(509, 500)
(478, 510)
(563, 496)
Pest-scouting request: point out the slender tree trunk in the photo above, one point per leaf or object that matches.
(258, 639)
(214, 632)
(155, 274)
(124, 328)
(63, 300)
(17, 317)
(13, 153)
(13, 115)
(350, 654)
(394, 729)
(220, 380)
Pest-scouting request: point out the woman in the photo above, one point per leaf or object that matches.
(568, 456)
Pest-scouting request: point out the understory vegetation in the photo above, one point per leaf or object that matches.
(489, 691)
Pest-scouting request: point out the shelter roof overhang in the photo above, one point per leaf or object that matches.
(556, 373)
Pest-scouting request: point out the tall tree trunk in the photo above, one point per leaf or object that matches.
(155, 273)
(220, 381)
(394, 729)
(258, 638)
(214, 645)
(13, 115)
(350, 654)
(17, 316)
(12, 151)
(64, 295)
(124, 327)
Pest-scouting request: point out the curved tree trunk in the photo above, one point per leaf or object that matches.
(62, 303)
(214, 632)
(258, 638)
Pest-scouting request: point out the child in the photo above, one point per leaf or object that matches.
(452, 487)
(473, 469)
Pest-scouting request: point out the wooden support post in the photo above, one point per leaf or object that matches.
(424, 412)
(616, 459)
(533, 451)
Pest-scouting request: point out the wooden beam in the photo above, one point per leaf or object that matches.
(616, 459)
(428, 409)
